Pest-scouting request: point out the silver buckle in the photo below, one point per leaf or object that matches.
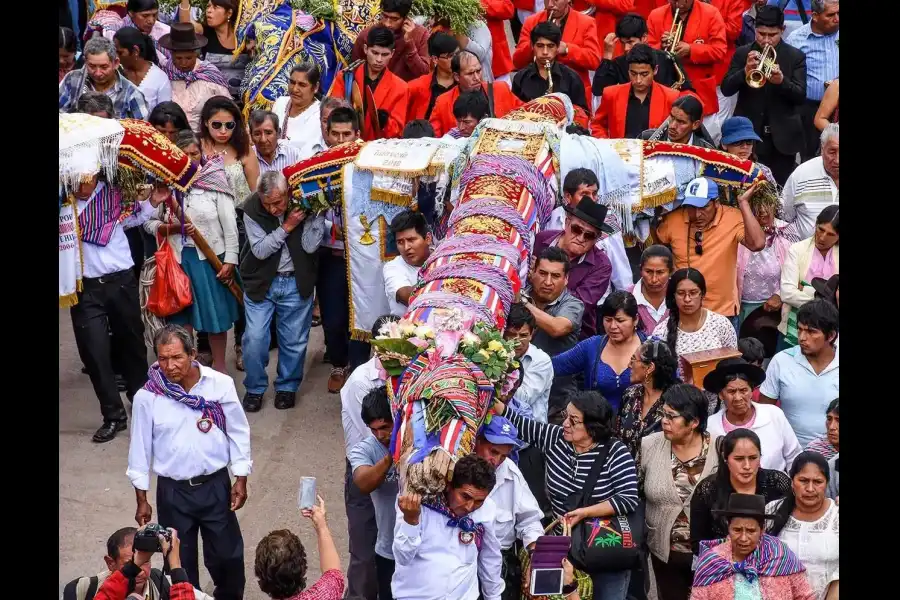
(192, 484)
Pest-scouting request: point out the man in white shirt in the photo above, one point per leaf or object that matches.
(400, 274)
(446, 547)
(814, 185)
(518, 516)
(188, 423)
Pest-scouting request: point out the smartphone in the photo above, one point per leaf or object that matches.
(306, 497)
(546, 582)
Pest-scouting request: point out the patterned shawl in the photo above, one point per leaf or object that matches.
(466, 523)
(159, 385)
(212, 177)
(770, 559)
(202, 71)
(104, 211)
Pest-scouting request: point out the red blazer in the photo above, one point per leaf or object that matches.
(496, 13)
(580, 35)
(392, 95)
(705, 32)
(609, 120)
(645, 7)
(607, 13)
(732, 12)
(442, 118)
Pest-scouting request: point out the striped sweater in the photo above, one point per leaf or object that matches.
(567, 471)
(806, 193)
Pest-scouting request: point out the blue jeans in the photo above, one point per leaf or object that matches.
(294, 316)
(611, 586)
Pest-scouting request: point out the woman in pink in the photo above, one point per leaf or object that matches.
(657, 265)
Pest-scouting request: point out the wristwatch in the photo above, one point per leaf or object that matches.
(568, 589)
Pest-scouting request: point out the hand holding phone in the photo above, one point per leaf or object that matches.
(307, 495)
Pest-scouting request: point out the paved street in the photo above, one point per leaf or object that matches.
(96, 498)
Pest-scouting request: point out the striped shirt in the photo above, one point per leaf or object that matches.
(822, 58)
(806, 193)
(568, 471)
(285, 156)
(821, 445)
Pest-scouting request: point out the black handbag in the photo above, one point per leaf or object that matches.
(604, 544)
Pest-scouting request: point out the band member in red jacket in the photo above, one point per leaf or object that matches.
(425, 90)
(496, 14)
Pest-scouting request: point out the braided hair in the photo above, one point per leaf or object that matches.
(674, 317)
(790, 502)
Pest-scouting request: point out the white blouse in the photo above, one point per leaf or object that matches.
(303, 131)
(816, 544)
(156, 87)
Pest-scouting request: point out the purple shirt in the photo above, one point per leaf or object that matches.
(589, 278)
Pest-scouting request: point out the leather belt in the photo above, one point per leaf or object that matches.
(286, 274)
(108, 277)
(197, 481)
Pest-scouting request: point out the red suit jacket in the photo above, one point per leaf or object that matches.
(645, 7)
(442, 118)
(609, 120)
(705, 32)
(606, 14)
(580, 35)
(392, 95)
(732, 12)
(496, 13)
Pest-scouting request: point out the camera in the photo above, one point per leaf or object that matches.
(147, 539)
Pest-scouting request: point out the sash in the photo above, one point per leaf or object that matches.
(70, 259)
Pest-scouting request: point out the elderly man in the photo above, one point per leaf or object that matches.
(819, 40)
(446, 547)
(279, 276)
(467, 72)
(814, 184)
(189, 428)
(194, 81)
(273, 153)
(100, 73)
(410, 58)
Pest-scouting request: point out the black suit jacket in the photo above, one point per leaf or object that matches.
(774, 105)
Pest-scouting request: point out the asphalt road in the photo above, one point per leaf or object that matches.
(96, 498)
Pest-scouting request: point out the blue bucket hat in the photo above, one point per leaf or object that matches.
(501, 431)
(738, 129)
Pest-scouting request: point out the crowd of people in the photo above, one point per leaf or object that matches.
(731, 476)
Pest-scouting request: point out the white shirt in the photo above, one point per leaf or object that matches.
(432, 564)
(535, 389)
(398, 274)
(304, 132)
(363, 379)
(518, 515)
(156, 87)
(656, 313)
(115, 256)
(807, 192)
(165, 437)
(779, 443)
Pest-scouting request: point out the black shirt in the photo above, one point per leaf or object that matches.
(436, 90)
(372, 83)
(615, 71)
(528, 84)
(637, 115)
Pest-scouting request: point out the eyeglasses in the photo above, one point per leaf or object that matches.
(568, 418)
(687, 294)
(579, 231)
(698, 239)
(667, 416)
(217, 125)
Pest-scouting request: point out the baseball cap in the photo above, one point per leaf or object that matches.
(700, 191)
(501, 431)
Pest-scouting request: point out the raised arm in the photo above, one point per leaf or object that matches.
(827, 106)
(184, 16)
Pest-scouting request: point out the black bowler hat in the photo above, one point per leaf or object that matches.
(744, 505)
(715, 380)
(763, 325)
(592, 213)
(182, 36)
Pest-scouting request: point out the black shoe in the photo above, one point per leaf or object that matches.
(120, 383)
(285, 400)
(109, 430)
(253, 402)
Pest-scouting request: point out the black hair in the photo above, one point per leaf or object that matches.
(381, 322)
(380, 36)
(141, 5)
(169, 112)
(641, 54)
(658, 251)
(691, 106)
(576, 129)
(132, 37)
(375, 405)
(471, 104)
(688, 401)
(724, 448)
(475, 471)
(790, 501)
(117, 540)
(231, 5)
(620, 300)
(409, 219)
(577, 178)
(830, 214)
(311, 70)
(631, 25)
(769, 16)
(67, 40)
(547, 30)
(674, 316)
(418, 128)
(401, 7)
(821, 315)
(240, 139)
(665, 373)
(520, 316)
(834, 407)
(94, 102)
(441, 42)
(752, 350)
(456, 61)
(598, 414)
(343, 114)
(554, 254)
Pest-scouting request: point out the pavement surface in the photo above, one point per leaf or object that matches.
(96, 498)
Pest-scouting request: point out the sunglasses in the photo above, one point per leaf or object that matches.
(217, 125)
(698, 239)
(579, 231)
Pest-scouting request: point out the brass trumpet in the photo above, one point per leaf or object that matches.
(547, 65)
(675, 33)
(767, 61)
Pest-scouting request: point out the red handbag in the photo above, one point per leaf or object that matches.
(171, 291)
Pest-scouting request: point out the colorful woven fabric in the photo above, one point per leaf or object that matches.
(520, 171)
(146, 149)
(554, 109)
(203, 71)
(466, 524)
(321, 173)
(212, 177)
(99, 219)
(770, 559)
(719, 166)
(159, 385)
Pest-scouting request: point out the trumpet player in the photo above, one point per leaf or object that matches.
(534, 80)
(769, 79)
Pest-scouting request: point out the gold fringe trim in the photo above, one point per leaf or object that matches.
(405, 174)
(654, 201)
(391, 197)
(70, 300)
(360, 336)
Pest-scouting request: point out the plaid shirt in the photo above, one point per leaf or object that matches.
(128, 100)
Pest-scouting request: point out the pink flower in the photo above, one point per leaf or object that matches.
(418, 342)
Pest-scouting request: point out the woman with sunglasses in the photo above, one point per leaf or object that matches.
(672, 462)
(223, 133)
(570, 451)
(653, 371)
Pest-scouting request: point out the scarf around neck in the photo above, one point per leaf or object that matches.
(212, 177)
(770, 559)
(465, 524)
(159, 385)
(104, 211)
(203, 71)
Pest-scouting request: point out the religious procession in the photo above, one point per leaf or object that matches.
(570, 266)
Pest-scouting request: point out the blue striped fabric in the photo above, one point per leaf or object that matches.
(822, 58)
(285, 156)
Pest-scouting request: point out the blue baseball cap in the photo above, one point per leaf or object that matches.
(700, 191)
(501, 431)
(738, 129)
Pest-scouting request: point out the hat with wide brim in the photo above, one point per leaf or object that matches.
(182, 36)
(738, 129)
(744, 505)
(826, 290)
(592, 213)
(762, 324)
(715, 381)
